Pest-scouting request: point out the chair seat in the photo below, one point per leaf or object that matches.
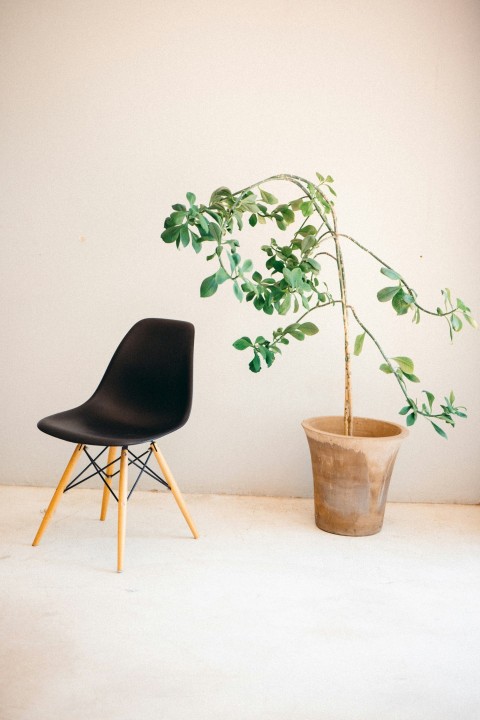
(92, 424)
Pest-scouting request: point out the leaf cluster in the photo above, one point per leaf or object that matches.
(268, 349)
(403, 298)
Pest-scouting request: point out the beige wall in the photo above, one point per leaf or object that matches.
(113, 109)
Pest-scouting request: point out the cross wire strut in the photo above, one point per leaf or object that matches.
(135, 460)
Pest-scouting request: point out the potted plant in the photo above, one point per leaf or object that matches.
(352, 458)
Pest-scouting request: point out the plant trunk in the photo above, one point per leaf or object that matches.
(347, 410)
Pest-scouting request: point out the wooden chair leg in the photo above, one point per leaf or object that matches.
(122, 507)
(174, 488)
(58, 493)
(112, 452)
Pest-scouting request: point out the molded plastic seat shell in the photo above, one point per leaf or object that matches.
(145, 393)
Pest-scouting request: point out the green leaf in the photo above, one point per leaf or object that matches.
(234, 260)
(171, 234)
(359, 340)
(297, 334)
(209, 286)
(451, 397)
(178, 217)
(180, 207)
(295, 204)
(252, 220)
(270, 357)
(430, 398)
(237, 291)
(386, 368)
(461, 306)
(247, 266)
(387, 293)
(412, 378)
(221, 275)
(255, 364)
(295, 279)
(439, 430)
(321, 178)
(390, 273)
(191, 198)
(307, 208)
(284, 305)
(288, 214)
(313, 264)
(399, 304)
(404, 363)
(196, 244)
(184, 235)
(448, 296)
(262, 351)
(411, 419)
(324, 202)
(242, 343)
(471, 321)
(215, 231)
(268, 197)
(405, 410)
(456, 323)
(308, 328)
(202, 222)
(329, 179)
(308, 230)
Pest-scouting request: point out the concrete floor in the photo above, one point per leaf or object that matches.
(263, 618)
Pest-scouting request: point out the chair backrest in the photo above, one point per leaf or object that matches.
(150, 376)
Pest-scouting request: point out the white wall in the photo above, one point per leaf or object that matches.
(114, 109)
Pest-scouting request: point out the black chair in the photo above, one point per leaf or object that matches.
(146, 393)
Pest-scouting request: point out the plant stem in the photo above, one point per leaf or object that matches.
(347, 413)
(380, 349)
(410, 290)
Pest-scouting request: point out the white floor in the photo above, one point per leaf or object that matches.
(264, 617)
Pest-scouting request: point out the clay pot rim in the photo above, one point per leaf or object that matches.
(402, 431)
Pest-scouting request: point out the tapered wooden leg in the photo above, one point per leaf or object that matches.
(174, 488)
(122, 507)
(58, 493)
(112, 452)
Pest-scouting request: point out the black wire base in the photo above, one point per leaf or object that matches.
(135, 460)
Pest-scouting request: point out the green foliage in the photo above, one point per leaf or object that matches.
(291, 280)
(209, 286)
(358, 347)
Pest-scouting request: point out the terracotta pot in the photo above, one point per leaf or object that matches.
(351, 475)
